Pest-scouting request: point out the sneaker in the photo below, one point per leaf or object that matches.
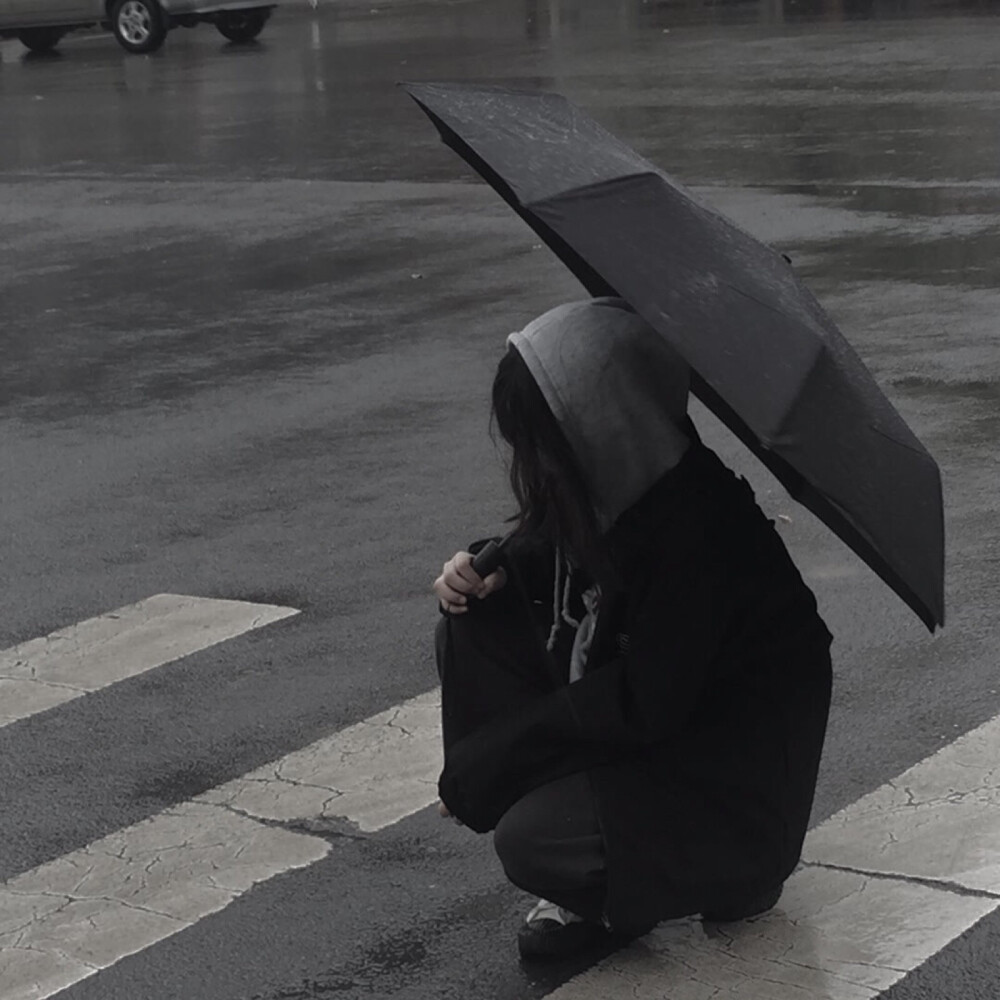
(753, 907)
(549, 931)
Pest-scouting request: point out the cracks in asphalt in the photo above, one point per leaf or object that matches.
(58, 953)
(298, 783)
(953, 796)
(69, 898)
(30, 678)
(911, 798)
(890, 840)
(330, 828)
(929, 883)
(137, 869)
(983, 792)
(323, 788)
(839, 976)
(76, 888)
(392, 724)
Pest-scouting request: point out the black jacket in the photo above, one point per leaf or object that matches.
(701, 715)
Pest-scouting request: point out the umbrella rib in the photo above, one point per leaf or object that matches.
(618, 180)
(921, 452)
(754, 299)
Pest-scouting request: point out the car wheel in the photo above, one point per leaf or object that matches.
(242, 25)
(40, 39)
(139, 25)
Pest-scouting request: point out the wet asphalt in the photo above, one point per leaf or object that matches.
(249, 310)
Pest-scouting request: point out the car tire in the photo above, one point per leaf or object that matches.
(40, 39)
(242, 25)
(139, 25)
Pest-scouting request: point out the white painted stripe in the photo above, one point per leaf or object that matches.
(371, 774)
(68, 919)
(939, 820)
(42, 673)
(836, 934)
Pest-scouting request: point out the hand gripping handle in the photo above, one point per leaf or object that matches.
(487, 559)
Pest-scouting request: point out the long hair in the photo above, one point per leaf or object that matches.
(554, 503)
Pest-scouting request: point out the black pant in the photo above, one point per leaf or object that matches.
(549, 841)
(550, 844)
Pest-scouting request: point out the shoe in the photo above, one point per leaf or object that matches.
(750, 908)
(549, 931)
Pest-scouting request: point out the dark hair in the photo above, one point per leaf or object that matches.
(554, 503)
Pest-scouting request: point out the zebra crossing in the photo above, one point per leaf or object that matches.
(56, 668)
(73, 916)
(885, 884)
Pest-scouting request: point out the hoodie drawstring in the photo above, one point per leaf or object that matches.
(560, 599)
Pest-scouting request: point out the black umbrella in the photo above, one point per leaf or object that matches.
(766, 359)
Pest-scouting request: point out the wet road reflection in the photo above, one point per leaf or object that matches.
(800, 90)
(178, 220)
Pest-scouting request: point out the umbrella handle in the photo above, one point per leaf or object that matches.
(487, 559)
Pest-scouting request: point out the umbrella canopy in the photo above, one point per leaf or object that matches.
(766, 358)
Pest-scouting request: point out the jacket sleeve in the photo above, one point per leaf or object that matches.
(610, 713)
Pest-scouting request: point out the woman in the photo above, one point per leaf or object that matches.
(636, 700)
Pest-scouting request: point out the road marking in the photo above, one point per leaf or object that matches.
(371, 774)
(887, 883)
(74, 916)
(39, 674)
(939, 820)
(834, 936)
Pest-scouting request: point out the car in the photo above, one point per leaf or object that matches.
(139, 25)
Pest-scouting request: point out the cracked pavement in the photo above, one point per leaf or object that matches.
(821, 941)
(151, 880)
(936, 821)
(139, 885)
(371, 774)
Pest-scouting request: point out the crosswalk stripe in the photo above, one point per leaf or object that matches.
(371, 774)
(876, 895)
(887, 882)
(835, 935)
(71, 662)
(70, 918)
(939, 820)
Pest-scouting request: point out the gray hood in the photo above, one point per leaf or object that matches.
(618, 391)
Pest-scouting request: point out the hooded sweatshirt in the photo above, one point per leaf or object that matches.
(619, 393)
